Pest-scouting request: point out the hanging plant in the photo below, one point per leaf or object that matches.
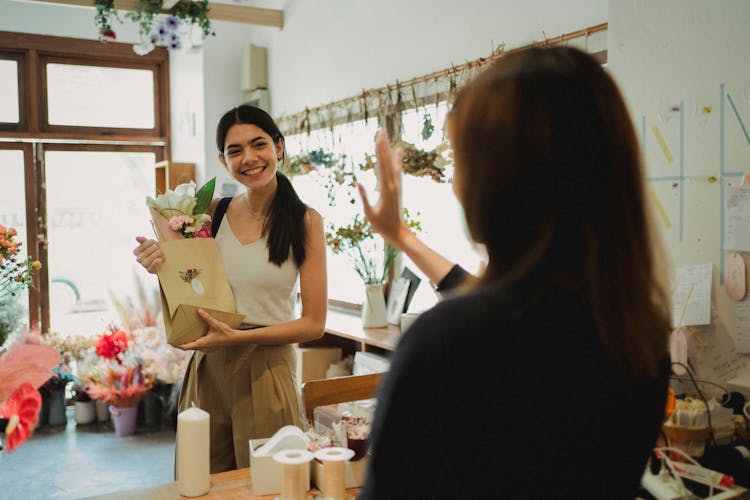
(159, 21)
(427, 127)
(105, 13)
(416, 162)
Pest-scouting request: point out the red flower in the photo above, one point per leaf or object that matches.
(109, 35)
(205, 232)
(22, 411)
(110, 345)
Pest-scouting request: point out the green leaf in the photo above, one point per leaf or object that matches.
(203, 196)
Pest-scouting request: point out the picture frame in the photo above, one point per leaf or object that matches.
(396, 300)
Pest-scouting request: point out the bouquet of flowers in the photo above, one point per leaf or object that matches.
(112, 372)
(160, 360)
(192, 274)
(184, 211)
(25, 366)
(371, 256)
(15, 273)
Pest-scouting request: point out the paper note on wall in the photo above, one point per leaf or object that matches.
(737, 222)
(712, 352)
(691, 296)
(742, 326)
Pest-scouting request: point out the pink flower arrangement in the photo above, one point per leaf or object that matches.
(120, 387)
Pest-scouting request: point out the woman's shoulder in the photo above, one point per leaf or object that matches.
(313, 218)
(211, 210)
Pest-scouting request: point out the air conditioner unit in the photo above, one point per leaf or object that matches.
(253, 68)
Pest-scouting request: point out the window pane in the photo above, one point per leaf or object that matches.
(14, 314)
(96, 205)
(97, 96)
(353, 140)
(434, 204)
(8, 91)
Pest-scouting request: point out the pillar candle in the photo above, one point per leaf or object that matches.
(193, 453)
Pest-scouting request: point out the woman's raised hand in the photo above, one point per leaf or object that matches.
(148, 254)
(385, 214)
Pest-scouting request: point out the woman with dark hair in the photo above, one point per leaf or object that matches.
(546, 376)
(269, 241)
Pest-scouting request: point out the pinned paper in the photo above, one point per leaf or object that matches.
(691, 298)
(662, 144)
(737, 222)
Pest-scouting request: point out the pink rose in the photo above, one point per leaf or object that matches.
(205, 232)
(178, 221)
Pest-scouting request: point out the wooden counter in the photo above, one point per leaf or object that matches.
(230, 485)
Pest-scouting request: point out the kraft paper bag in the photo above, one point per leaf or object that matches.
(193, 277)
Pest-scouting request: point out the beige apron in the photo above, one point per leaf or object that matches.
(250, 393)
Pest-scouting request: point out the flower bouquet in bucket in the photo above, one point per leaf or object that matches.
(193, 275)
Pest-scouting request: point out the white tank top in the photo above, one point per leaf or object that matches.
(264, 292)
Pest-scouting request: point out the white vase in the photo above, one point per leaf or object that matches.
(85, 412)
(374, 312)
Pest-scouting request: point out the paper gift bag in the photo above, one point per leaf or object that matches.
(193, 277)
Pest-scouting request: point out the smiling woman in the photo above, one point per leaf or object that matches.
(271, 243)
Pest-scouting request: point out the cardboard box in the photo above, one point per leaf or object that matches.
(267, 474)
(355, 473)
(312, 362)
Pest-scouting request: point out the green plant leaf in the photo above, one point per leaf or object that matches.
(204, 195)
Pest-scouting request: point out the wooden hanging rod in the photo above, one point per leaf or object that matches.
(445, 73)
(216, 11)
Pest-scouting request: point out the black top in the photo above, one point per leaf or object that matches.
(504, 393)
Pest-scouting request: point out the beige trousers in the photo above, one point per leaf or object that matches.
(250, 392)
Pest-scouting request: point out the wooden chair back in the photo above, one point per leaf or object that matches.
(338, 390)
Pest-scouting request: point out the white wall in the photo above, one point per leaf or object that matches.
(327, 50)
(332, 49)
(672, 58)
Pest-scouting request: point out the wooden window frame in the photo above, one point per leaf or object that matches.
(34, 136)
(35, 51)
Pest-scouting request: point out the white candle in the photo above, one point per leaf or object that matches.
(193, 453)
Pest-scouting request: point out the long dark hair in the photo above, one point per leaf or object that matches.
(285, 224)
(548, 170)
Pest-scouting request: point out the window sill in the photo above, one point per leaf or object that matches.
(348, 324)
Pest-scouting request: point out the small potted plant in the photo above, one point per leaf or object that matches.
(372, 258)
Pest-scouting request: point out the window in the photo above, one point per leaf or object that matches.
(78, 95)
(82, 125)
(9, 91)
(433, 204)
(352, 141)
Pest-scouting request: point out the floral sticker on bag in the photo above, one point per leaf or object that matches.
(190, 275)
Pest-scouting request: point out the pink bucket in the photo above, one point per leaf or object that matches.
(124, 419)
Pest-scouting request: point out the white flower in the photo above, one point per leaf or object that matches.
(181, 201)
